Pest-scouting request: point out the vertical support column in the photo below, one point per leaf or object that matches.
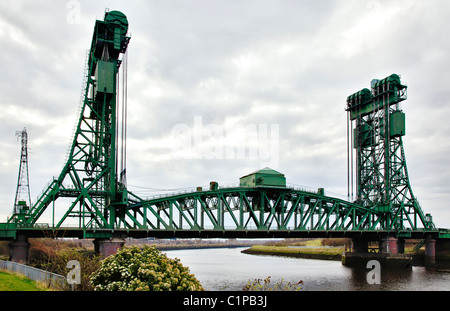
(107, 247)
(430, 250)
(261, 211)
(19, 249)
(389, 245)
(390, 253)
(360, 245)
(401, 246)
(358, 255)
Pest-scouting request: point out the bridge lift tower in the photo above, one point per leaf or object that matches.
(376, 125)
(93, 177)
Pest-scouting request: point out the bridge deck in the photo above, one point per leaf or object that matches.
(70, 232)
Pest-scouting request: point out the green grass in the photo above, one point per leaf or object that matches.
(15, 282)
(284, 249)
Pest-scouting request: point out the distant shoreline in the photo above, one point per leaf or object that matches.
(321, 253)
(193, 247)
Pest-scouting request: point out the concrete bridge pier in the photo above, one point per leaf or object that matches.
(360, 245)
(442, 255)
(437, 252)
(389, 253)
(19, 249)
(392, 245)
(108, 246)
(430, 251)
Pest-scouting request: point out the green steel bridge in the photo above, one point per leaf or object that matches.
(90, 199)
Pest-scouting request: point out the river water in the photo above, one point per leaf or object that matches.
(227, 269)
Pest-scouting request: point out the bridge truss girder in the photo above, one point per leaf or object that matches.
(248, 209)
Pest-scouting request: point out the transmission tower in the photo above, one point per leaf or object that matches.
(22, 201)
(376, 125)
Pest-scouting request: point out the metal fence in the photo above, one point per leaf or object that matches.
(51, 279)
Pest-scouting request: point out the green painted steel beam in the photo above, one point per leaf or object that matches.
(255, 208)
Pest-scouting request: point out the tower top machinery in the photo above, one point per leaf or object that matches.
(376, 125)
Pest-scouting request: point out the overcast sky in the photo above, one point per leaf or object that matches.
(222, 70)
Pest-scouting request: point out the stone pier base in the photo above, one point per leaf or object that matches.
(387, 261)
(437, 253)
(389, 254)
(19, 250)
(430, 251)
(107, 247)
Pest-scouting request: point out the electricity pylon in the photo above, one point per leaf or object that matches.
(22, 201)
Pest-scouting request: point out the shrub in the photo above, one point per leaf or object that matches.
(336, 242)
(266, 285)
(53, 255)
(88, 265)
(146, 269)
(4, 250)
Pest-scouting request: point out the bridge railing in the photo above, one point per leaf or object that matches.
(231, 186)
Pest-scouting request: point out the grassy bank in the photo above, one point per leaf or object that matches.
(324, 249)
(323, 253)
(16, 282)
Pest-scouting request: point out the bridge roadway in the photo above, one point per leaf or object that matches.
(11, 233)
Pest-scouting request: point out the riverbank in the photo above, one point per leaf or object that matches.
(316, 252)
(322, 253)
(186, 247)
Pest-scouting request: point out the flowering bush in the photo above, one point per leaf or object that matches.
(265, 285)
(147, 269)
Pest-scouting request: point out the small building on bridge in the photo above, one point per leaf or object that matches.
(263, 177)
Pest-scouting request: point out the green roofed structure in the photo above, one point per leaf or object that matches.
(263, 177)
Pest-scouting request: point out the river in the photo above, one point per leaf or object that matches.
(227, 269)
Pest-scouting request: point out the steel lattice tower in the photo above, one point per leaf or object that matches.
(375, 130)
(92, 181)
(22, 200)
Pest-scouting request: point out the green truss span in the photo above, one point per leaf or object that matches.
(240, 212)
(260, 208)
(91, 188)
